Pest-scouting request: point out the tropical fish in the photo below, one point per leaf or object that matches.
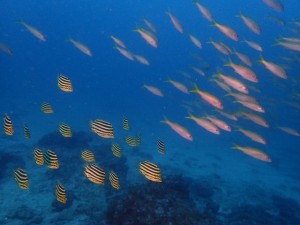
(195, 41)
(7, 125)
(21, 177)
(161, 146)
(51, 159)
(153, 90)
(149, 37)
(250, 23)
(61, 194)
(275, 4)
(273, 68)
(125, 53)
(46, 108)
(289, 45)
(253, 136)
(175, 22)
(199, 71)
(81, 47)
(131, 141)
(150, 171)
(150, 25)
(26, 131)
(102, 128)
(64, 83)
(204, 11)
(234, 83)
(290, 131)
(117, 41)
(245, 59)
(254, 106)
(95, 174)
(114, 180)
(183, 132)
(33, 30)
(141, 59)
(206, 124)
(181, 87)
(229, 32)
(38, 156)
(209, 98)
(4, 48)
(243, 71)
(256, 119)
(125, 123)
(65, 130)
(116, 149)
(253, 152)
(254, 45)
(88, 156)
(227, 115)
(221, 47)
(219, 123)
(243, 97)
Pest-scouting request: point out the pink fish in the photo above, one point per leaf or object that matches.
(206, 124)
(256, 119)
(229, 32)
(81, 47)
(245, 59)
(183, 132)
(150, 25)
(250, 23)
(253, 136)
(254, 45)
(204, 11)
(210, 99)
(33, 30)
(118, 41)
(125, 53)
(243, 71)
(142, 60)
(221, 47)
(228, 115)
(181, 87)
(275, 4)
(175, 22)
(243, 97)
(154, 90)
(219, 123)
(290, 131)
(253, 152)
(273, 68)
(195, 41)
(234, 83)
(149, 37)
(254, 106)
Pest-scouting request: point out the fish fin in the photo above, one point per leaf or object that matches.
(235, 146)
(196, 88)
(165, 120)
(229, 63)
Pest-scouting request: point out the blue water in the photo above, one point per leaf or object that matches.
(217, 184)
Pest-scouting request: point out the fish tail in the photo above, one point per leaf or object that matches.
(20, 21)
(165, 120)
(235, 146)
(214, 22)
(196, 89)
(229, 63)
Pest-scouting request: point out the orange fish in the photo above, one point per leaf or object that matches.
(210, 99)
(206, 124)
(229, 32)
(183, 132)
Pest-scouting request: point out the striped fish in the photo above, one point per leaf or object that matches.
(130, 141)
(46, 108)
(64, 83)
(116, 149)
(22, 178)
(150, 171)
(38, 156)
(65, 130)
(7, 125)
(161, 146)
(88, 156)
(114, 180)
(125, 124)
(138, 139)
(51, 159)
(95, 174)
(61, 194)
(26, 131)
(102, 128)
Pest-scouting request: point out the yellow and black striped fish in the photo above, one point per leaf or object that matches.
(26, 131)
(161, 146)
(88, 156)
(38, 156)
(116, 149)
(102, 128)
(65, 130)
(46, 108)
(64, 83)
(22, 178)
(125, 123)
(130, 141)
(150, 171)
(51, 159)
(114, 180)
(138, 139)
(7, 125)
(95, 174)
(61, 194)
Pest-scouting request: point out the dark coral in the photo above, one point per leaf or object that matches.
(158, 203)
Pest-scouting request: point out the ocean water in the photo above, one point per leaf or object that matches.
(204, 181)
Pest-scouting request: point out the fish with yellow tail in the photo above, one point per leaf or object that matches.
(183, 132)
(204, 123)
(209, 98)
(253, 152)
(243, 71)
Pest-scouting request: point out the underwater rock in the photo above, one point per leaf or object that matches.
(26, 215)
(288, 209)
(9, 162)
(163, 203)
